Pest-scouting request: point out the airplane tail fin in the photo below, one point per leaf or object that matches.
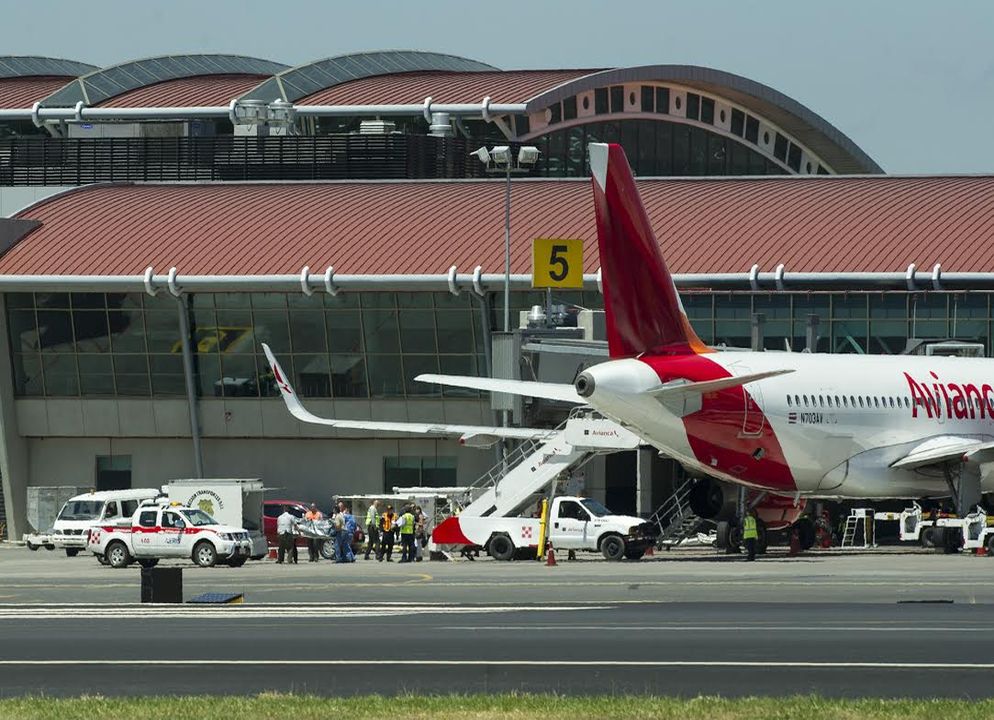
(642, 308)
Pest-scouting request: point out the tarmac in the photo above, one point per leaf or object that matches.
(686, 622)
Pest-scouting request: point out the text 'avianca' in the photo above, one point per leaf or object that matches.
(952, 400)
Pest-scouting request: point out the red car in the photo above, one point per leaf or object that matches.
(272, 509)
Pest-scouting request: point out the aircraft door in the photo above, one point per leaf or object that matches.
(753, 419)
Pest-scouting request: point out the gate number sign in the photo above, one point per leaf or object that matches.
(557, 262)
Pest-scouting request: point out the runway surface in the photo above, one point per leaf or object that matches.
(835, 649)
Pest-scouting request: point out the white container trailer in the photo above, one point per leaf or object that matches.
(230, 501)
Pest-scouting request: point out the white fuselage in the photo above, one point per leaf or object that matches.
(830, 428)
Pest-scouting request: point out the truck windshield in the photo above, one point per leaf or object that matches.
(596, 509)
(198, 518)
(81, 510)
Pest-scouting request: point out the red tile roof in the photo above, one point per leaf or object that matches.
(512, 86)
(203, 90)
(712, 225)
(23, 92)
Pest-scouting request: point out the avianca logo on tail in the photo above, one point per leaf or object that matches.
(940, 399)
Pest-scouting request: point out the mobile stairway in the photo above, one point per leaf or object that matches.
(526, 474)
(676, 520)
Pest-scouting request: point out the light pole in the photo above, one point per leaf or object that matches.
(497, 159)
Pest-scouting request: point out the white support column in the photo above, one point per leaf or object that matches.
(643, 481)
(14, 466)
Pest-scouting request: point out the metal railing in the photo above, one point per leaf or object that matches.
(71, 161)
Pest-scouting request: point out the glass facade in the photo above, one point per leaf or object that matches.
(371, 345)
(654, 148)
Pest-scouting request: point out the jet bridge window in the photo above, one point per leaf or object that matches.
(572, 511)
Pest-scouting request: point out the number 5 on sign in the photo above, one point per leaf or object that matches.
(557, 262)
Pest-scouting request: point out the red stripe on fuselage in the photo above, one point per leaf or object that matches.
(715, 431)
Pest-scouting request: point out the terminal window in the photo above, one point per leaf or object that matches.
(418, 471)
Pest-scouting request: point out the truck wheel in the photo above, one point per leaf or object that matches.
(31, 546)
(327, 549)
(117, 555)
(149, 562)
(101, 559)
(72, 552)
(631, 554)
(613, 547)
(237, 562)
(204, 554)
(500, 547)
(927, 537)
(953, 540)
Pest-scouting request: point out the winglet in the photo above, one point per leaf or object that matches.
(642, 307)
(283, 383)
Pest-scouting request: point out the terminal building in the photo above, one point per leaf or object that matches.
(336, 212)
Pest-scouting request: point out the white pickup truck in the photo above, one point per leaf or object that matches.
(575, 523)
(163, 530)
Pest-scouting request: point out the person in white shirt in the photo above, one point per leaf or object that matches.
(285, 525)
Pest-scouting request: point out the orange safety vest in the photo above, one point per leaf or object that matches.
(386, 523)
(316, 515)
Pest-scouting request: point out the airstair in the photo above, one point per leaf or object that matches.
(534, 465)
(675, 518)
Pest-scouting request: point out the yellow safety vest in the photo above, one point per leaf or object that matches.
(407, 524)
(749, 531)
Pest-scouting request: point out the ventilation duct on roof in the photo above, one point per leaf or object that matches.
(441, 125)
(376, 127)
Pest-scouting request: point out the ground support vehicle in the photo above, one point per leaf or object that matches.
(165, 530)
(82, 512)
(574, 523)
(236, 502)
(271, 510)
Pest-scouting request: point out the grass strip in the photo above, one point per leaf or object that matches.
(489, 707)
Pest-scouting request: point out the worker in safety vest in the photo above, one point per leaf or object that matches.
(373, 529)
(386, 534)
(313, 544)
(750, 534)
(406, 526)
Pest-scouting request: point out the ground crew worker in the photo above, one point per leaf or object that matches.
(284, 528)
(407, 527)
(750, 534)
(373, 529)
(313, 544)
(386, 538)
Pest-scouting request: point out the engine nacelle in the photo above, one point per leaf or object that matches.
(716, 500)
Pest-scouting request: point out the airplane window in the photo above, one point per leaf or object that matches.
(821, 400)
(829, 400)
(861, 401)
(852, 400)
(892, 402)
(788, 401)
(797, 400)
(876, 402)
(845, 402)
(805, 400)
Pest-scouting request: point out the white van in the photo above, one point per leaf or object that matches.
(82, 512)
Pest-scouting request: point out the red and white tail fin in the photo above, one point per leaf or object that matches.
(643, 310)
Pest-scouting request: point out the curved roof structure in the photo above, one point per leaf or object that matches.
(830, 143)
(100, 85)
(810, 224)
(200, 91)
(306, 80)
(13, 66)
(511, 86)
(24, 80)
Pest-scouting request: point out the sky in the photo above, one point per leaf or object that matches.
(909, 81)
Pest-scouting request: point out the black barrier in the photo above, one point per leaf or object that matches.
(162, 585)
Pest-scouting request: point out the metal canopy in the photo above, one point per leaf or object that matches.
(36, 66)
(299, 82)
(103, 84)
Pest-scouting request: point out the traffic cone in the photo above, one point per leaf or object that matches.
(550, 558)
(795, 545)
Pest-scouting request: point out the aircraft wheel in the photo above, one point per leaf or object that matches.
(805, 533)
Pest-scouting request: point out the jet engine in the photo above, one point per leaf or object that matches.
(716, 500)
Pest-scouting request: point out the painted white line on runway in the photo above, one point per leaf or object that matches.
(544, 664)
(722, 628)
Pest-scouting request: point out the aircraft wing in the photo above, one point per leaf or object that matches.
(946, 448)
(563, 392)
(473, 435)
(682, 387)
